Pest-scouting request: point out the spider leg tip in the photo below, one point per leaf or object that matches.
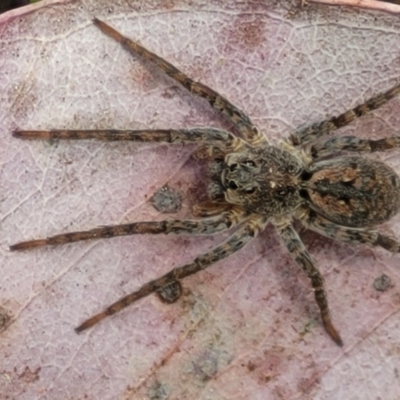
(338, 340)
(333, 333)
(16, 247)
(30, 134)
(78, 329)
(98, 22)
(31, 244)
(82, 327)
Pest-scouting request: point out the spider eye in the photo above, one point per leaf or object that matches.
(284, 191)
(232, 185)
(306, 175)
(281, 192)
(251, 190)
(250, 163)
(291, 168)
(232, 167)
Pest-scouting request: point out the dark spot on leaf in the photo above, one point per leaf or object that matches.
(170, 293)
(167, 200)
(382, 283)
(158, 391)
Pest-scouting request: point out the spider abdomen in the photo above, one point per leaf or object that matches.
(354, 191)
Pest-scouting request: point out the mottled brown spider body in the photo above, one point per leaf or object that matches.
(353, 191)
(253, 184)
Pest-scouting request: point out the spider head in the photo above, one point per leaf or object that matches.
(239, 178)
(263, 180)
(233, 177)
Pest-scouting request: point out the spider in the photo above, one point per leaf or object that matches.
(252, 184)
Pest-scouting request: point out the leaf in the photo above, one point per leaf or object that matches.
(391, 6)
(248, 327)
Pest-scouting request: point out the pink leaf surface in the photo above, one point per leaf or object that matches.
(248, 327)
(380, 5)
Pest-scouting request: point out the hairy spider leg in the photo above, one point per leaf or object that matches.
(370, 237)
(173, 136)
(309, 133)
(353, 143)
(300, 254)
(205, 226)
(241, 121)
(234, 243)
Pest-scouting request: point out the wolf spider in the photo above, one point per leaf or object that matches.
(252, 184)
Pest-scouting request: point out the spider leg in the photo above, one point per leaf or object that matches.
(205, 226)
(195, 135)
(305, 135)
(300, 254)
(208, 151)
(234, 243)
(241, 121)
(209, 208)
(370, 237)
(353, 143)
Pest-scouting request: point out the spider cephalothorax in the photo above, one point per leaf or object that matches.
(264, 180)
(253, 183)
